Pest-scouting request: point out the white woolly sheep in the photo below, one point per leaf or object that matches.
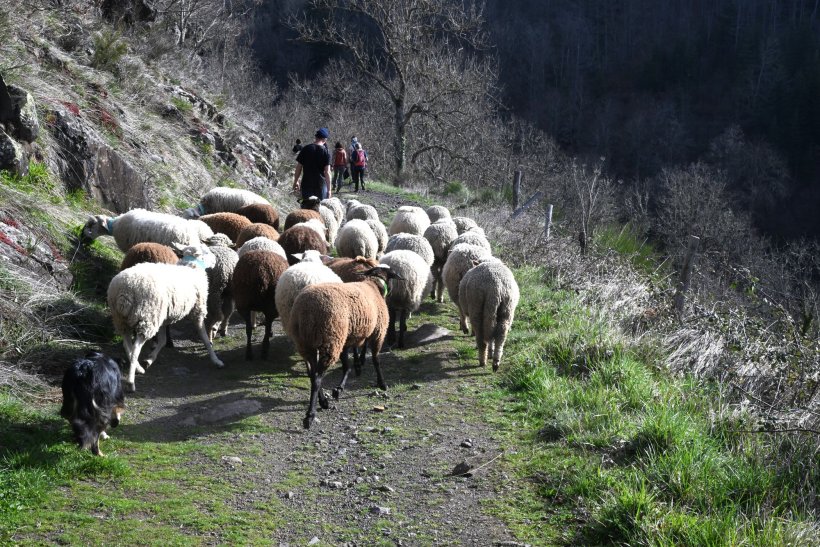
(488, 294)
(362, 212)
(381, 234)
(147, 296)
(140, 225)
(223, 200)
(220, 297)
(410, 220)
(437, 212)
(309, 271)
(464, 224)
(356, 238)
(262, 243)
(460, 259)
(254, 290)
(329, 317)
(440, 234)
(473, 238)
(335, 205)
(350, 204)
(416, 243)
(406, 293)
(332, 225)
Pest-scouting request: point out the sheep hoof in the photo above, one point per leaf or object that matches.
(140, 370)
(148, 363)
(307, 421)
(337, 391)
(219, 364)
(495, 367)
(323, 402)
(130, 387)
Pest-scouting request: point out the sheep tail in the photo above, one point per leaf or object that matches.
(124, 304)
(502, 318)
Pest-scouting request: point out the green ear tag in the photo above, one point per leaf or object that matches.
(384, 289)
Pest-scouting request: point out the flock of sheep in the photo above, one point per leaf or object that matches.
(327, 306)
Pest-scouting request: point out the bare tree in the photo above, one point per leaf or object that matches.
(591, 193)
(417, 53)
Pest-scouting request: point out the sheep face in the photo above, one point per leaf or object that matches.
(96, 226)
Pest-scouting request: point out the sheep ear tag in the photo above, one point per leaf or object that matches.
(385, 289)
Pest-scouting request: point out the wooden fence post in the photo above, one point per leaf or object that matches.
(686, 274)
(516, 189)
(548, 222)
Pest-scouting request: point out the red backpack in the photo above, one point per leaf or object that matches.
(339, 158)
(360, 159)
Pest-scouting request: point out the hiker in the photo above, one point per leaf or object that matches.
(298, 146)
(351, 151)
(339, 166)
(359, 161)
(314, 161)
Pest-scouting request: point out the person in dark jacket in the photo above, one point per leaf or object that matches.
(314, 162)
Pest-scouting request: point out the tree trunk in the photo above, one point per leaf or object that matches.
(400, 128)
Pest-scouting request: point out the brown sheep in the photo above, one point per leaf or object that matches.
(256, 229)
(351, 269)
(254, 290)
(149, 252)
(328, 317)
(302, 215)
(299, 239)
(230, 224)
(260, 213)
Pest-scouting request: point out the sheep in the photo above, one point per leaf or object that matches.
(437, 212)
(140, 225)
(488, 295)
(335, 205)
(301, 215)
(410, 220)
(362, 212)
(230, 224)
(149, 252)
(473, 238)
(405, 294)
(299, 239)
(328, 317)
(223, 200)
(351, 269)
(254, 290)
(316, 225)
(309, 271)
(440, 234)
(356, 238)
(256, 230)
(350, 204)
(380, 233)
(461, 258)
(147, 296)
(260, 213)
(262, 243)
(416, 243)
(464, 224)
(332, 225)
(220, 298)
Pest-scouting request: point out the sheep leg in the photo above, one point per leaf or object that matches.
(266, 339)
(159, 344)
(375, 347)
(462, 321)
(205, 340)
(391, 328)
(314, 394)
(169, 342)
(323, 402)
(249, 324)
(130, 384)
(128, 344)
(359, 356)
(227, 311)
(337, 391)
(481, 343)
(502, 327)
(402, 327)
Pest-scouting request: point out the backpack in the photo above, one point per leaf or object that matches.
(339, 158)
(360, 159)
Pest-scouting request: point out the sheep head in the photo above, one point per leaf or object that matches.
(95, 226)
(195, 255)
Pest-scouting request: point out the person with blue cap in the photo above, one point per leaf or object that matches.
(313, 166)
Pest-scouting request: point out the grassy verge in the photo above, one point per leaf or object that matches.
(617, 450)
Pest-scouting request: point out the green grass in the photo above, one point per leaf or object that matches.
(411, 196)
(38, 179)
(626, 241)
(183, 105)
(618, 451)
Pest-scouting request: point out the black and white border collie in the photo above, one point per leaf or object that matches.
(92, 399)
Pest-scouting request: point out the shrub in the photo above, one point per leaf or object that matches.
(108, 50)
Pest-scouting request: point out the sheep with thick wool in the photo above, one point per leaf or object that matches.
(488, 296)
(220, 295)
(351, 269)
(331, 224)
(301, 238)
(335, 205)
(328, 317)
(260, 213)
(356, 238)
(381, 234)
(406, 293)
(262, 243)
(147, 296)
(460, 259)
(362, 212)
(309, 271)
(254, 290)
(223, 200)
(410, 242)
(464, 224)
(437, 212)
(441, 235)
(156, 253)
(230, 224)
(316, 225)
(298, 216)
(410, 220)
(473, 237)
(141, 225)
(256, 230)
